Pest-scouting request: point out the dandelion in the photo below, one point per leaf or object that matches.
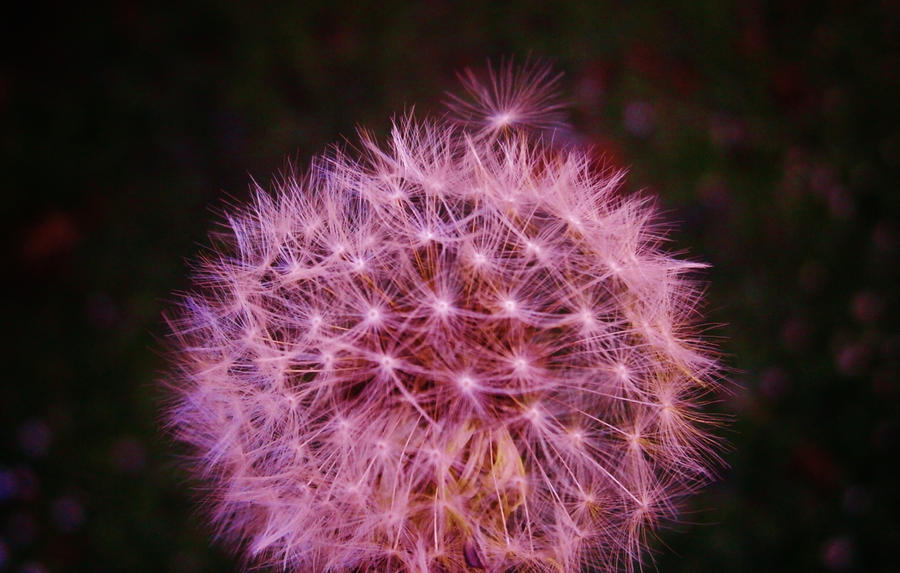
(462, 350)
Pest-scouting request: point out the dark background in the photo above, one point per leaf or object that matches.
(768, 129)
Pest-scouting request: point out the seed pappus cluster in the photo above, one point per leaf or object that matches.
(461, 350)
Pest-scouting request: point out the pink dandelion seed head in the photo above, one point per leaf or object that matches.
(464, 349)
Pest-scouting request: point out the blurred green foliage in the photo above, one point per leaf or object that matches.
(769, 131)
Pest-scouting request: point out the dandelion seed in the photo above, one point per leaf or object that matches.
(466, 384)
(387, 362)
(442, 307)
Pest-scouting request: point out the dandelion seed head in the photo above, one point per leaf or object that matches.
(465, 348)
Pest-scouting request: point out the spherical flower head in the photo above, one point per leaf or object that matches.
(463, 349)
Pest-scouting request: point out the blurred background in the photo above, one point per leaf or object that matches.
(769, 131)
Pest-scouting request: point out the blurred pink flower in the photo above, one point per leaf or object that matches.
(463, 349)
